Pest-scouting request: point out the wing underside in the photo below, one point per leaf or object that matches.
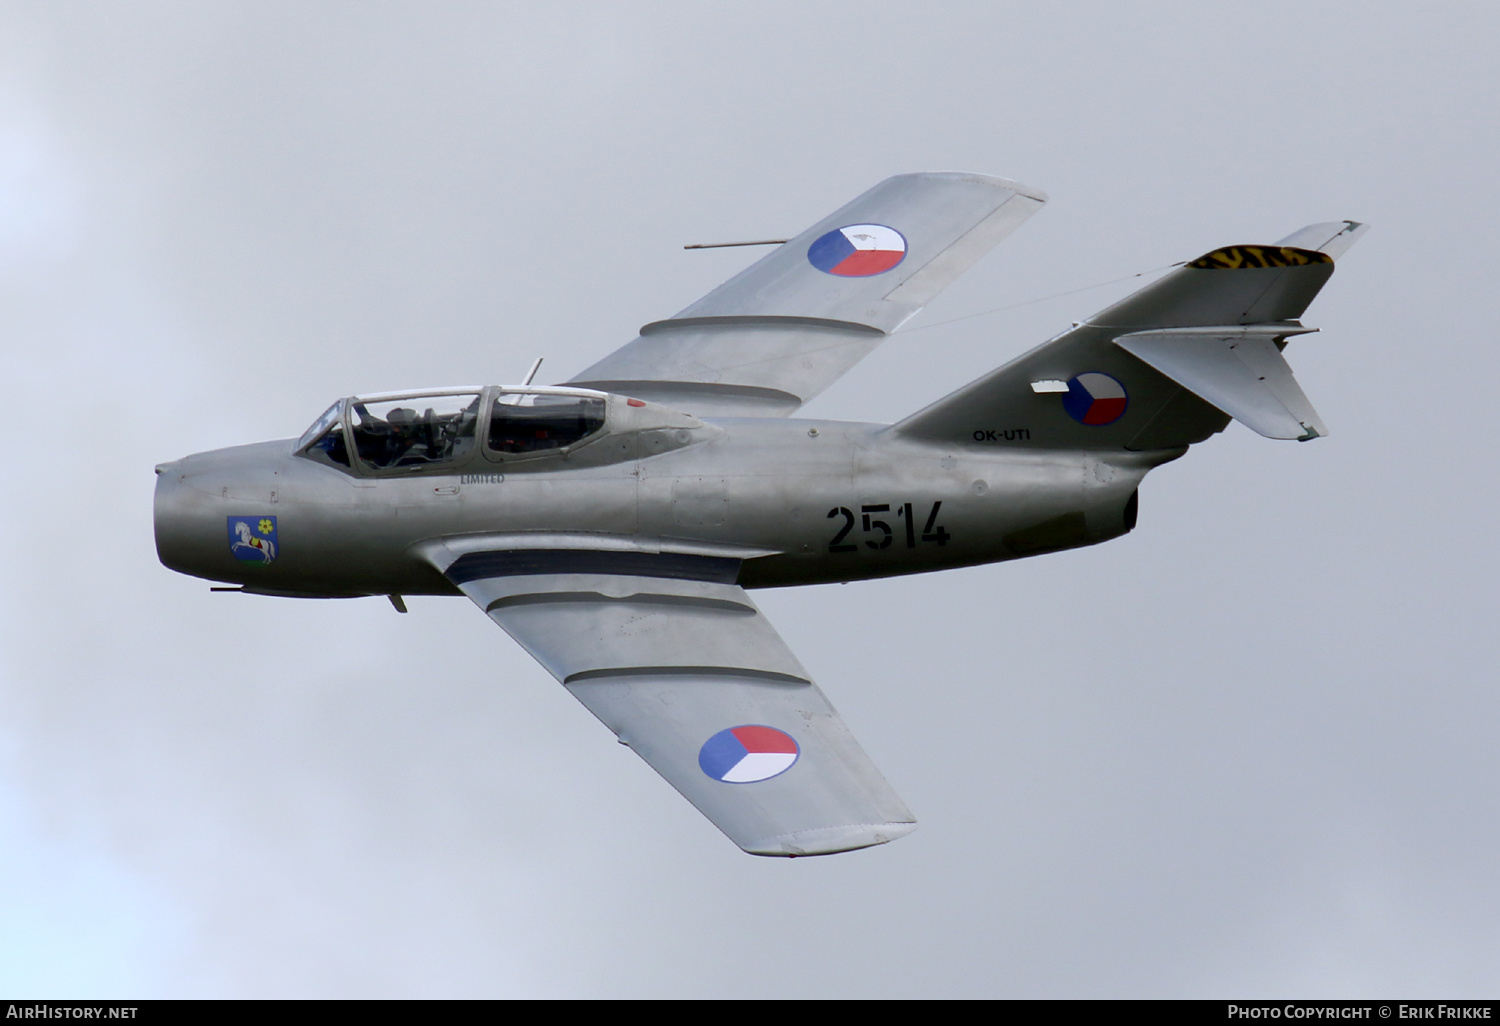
(675, 658)
(782, 330)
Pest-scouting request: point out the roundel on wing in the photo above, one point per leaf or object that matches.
(858, 250)
(748, 753)
(1095, 399)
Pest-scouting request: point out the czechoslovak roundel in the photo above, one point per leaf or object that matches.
(858, 250)
(1095, 399)
(745, 754)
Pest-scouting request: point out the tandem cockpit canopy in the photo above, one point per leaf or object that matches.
(536, 421)
(409, 432)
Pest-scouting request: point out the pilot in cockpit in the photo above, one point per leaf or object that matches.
(403, 437)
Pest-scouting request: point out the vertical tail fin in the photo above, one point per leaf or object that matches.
(1165, 367)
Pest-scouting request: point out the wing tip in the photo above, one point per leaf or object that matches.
(829, 840)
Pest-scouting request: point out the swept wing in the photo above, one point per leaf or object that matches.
(789, 325)
(676, 659)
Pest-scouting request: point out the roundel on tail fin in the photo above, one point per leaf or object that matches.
(1095, 399)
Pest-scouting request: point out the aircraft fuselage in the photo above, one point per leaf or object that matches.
(802, 501)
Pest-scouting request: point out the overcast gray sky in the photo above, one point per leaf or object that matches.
(1247, 750)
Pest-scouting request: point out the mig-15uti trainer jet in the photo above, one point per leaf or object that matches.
(615, 524)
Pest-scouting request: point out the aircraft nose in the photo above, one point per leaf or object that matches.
(199, 495)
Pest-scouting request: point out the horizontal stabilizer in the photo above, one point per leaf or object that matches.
(1237, 368)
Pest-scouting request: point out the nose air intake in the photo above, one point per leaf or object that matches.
(167, 521)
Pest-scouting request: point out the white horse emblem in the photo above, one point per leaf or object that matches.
(249, 544)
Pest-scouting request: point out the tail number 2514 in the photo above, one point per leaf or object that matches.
(884, 535)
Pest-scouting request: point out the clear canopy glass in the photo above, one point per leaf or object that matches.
(523, 422)
(414, 431)
(329, 418)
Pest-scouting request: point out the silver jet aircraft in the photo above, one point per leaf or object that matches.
(614, 524)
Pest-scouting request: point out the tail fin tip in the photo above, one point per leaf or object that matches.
(1330, 237)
